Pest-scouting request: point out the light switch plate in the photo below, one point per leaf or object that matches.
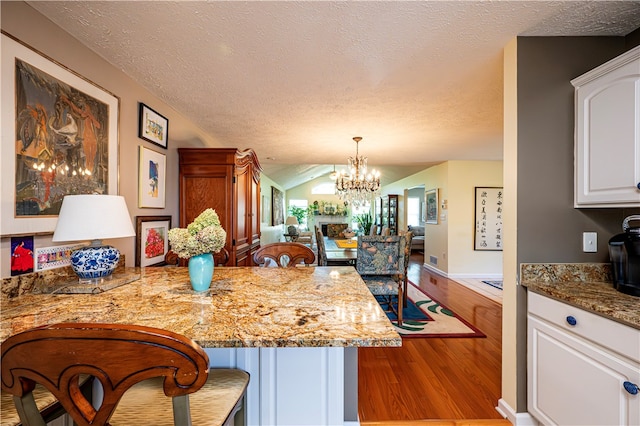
(589, 242)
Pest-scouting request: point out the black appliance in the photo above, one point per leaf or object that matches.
(624, 251)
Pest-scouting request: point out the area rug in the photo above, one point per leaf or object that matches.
(496, 284)
(426, 317)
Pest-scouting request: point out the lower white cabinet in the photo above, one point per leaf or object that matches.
(583, 369)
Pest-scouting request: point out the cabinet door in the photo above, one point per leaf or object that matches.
(574, 382)
(608, 136)
(243, 209)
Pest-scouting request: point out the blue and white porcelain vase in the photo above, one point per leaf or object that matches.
(201, 271)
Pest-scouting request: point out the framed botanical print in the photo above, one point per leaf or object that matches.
(59, 137)
(152, 176)
(431, 199)
(152, 239)
(152, 126)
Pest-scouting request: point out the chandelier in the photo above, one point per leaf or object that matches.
(357, 187)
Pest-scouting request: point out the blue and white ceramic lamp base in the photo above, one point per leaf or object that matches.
(93, 263)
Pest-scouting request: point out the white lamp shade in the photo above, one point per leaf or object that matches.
(93, 217)
(291, 220)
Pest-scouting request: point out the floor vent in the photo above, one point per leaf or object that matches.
(433, 260)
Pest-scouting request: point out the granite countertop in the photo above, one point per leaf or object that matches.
(585, 286)
(244, 307)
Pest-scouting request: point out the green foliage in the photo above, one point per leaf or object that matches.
(364, 222)
(298, 212)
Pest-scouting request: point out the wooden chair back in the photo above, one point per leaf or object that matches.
(285, 254)
(322, 251)
(119, 356)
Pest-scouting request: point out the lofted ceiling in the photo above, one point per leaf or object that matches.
(420, 81)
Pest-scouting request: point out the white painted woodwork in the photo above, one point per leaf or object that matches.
(294, 386)
(607, 134)
(576, 373)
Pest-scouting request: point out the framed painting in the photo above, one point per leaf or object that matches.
(152, 239)
(431, 200)
(152, 126)
(277, 206)
(488, 218)
(59, 137)
(22, 260)
(152, 173)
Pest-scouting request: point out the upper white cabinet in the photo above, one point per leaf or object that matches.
(607, 134)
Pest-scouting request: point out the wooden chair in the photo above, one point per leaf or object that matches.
(149, 364)
(219, 259)
(285, 255)
(322, 251)
(381, 264)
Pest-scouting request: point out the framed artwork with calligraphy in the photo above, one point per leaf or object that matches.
(488, 218)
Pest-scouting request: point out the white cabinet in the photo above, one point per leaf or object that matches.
(582, 369)
(607, 134)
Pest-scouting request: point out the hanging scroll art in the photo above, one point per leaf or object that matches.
(488, 218)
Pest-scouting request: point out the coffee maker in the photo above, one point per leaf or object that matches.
(624, 251)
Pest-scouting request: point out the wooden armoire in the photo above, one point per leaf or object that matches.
(228, 181)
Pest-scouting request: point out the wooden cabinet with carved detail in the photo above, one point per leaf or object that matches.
(228, 181)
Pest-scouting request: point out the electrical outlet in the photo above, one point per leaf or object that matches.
(589, 242)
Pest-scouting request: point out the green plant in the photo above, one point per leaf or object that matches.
(364, 222)
(298, 212)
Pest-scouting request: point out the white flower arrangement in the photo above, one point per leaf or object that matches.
(204, 235)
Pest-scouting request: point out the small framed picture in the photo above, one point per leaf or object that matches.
(152, 239)
(432, 206)
(152, 126)
(152, 174)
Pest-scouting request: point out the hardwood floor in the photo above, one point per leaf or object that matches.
(432, 379)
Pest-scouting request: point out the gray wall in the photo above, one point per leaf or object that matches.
(549, 228)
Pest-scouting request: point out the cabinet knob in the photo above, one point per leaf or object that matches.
(632, 388)
(638, 185)
(571, 320)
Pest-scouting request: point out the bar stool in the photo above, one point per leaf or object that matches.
(138, 368)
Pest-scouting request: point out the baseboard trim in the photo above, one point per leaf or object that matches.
(516, 419)
(435, 270)
(476, 276)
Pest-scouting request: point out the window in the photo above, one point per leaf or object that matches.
(328, 188)
(413, 211)
(301, 204)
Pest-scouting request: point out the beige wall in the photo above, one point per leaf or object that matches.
(24, 23)
(463, 260)
(451, 239)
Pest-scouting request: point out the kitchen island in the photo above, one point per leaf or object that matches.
(295, 330)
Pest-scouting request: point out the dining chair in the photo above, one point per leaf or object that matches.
(381, 264)
(285, 255)
(336, 230)
(148, 376)
(408, 235)
(322, 251)
(373, 230)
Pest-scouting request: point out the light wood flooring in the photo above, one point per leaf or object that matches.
(436, 381)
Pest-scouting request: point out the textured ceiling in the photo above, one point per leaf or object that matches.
(420, 81)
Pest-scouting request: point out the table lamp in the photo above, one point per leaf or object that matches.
(292, 221)
(93, 217)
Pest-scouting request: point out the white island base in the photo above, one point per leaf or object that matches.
(296, 386)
